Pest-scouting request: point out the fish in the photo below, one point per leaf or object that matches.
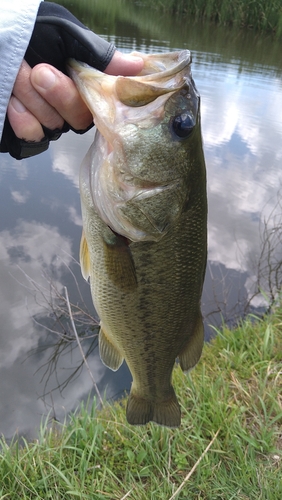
(144, 237)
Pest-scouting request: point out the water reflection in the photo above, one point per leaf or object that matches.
(242, 134)
(24, 253)
(239, 78)
(36, 263)
(23, 249)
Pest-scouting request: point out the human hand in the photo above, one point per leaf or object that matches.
(45, 101)
(45, 96)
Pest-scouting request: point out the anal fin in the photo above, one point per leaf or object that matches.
(140, 411)
(191, 353)
(109, 354)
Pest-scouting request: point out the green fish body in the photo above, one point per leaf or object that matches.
(144, 209)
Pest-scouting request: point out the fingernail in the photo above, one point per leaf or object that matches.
(17, 105)
(43, 78)
(135, 58)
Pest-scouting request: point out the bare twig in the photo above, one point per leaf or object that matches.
(53, 317)
(81, 350)
(194, 467)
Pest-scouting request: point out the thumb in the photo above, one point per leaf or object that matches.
(61, 93)
(124, 64)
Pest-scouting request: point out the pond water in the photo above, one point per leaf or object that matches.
(238, 75)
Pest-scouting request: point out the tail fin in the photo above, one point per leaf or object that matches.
(140, 412)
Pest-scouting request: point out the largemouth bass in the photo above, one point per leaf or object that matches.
(144, 209)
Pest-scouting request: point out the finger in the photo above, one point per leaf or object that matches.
(61, 93)
(124, 64)
(33, 101)
(24, 123)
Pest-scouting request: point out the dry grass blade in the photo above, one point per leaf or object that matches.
(126, 495)
(194, 467)
(80, 348)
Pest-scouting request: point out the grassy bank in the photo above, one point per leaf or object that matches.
(235, 391)
(261, 15)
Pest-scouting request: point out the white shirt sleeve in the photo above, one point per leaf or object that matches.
(17, 18)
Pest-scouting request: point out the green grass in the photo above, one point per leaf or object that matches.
(261, 15)
(236, 389)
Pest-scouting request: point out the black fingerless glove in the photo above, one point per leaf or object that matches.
(57, 36)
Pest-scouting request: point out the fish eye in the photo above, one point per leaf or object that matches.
(183, 125)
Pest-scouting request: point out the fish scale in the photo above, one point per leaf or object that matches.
(144, 210)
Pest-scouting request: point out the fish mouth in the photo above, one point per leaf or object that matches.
(162, 74)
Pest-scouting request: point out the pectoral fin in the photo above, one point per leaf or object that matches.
(84, 257)
(119, 263)
(191, 353)
(109, 354)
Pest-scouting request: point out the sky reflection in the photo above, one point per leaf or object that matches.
(243, 147)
